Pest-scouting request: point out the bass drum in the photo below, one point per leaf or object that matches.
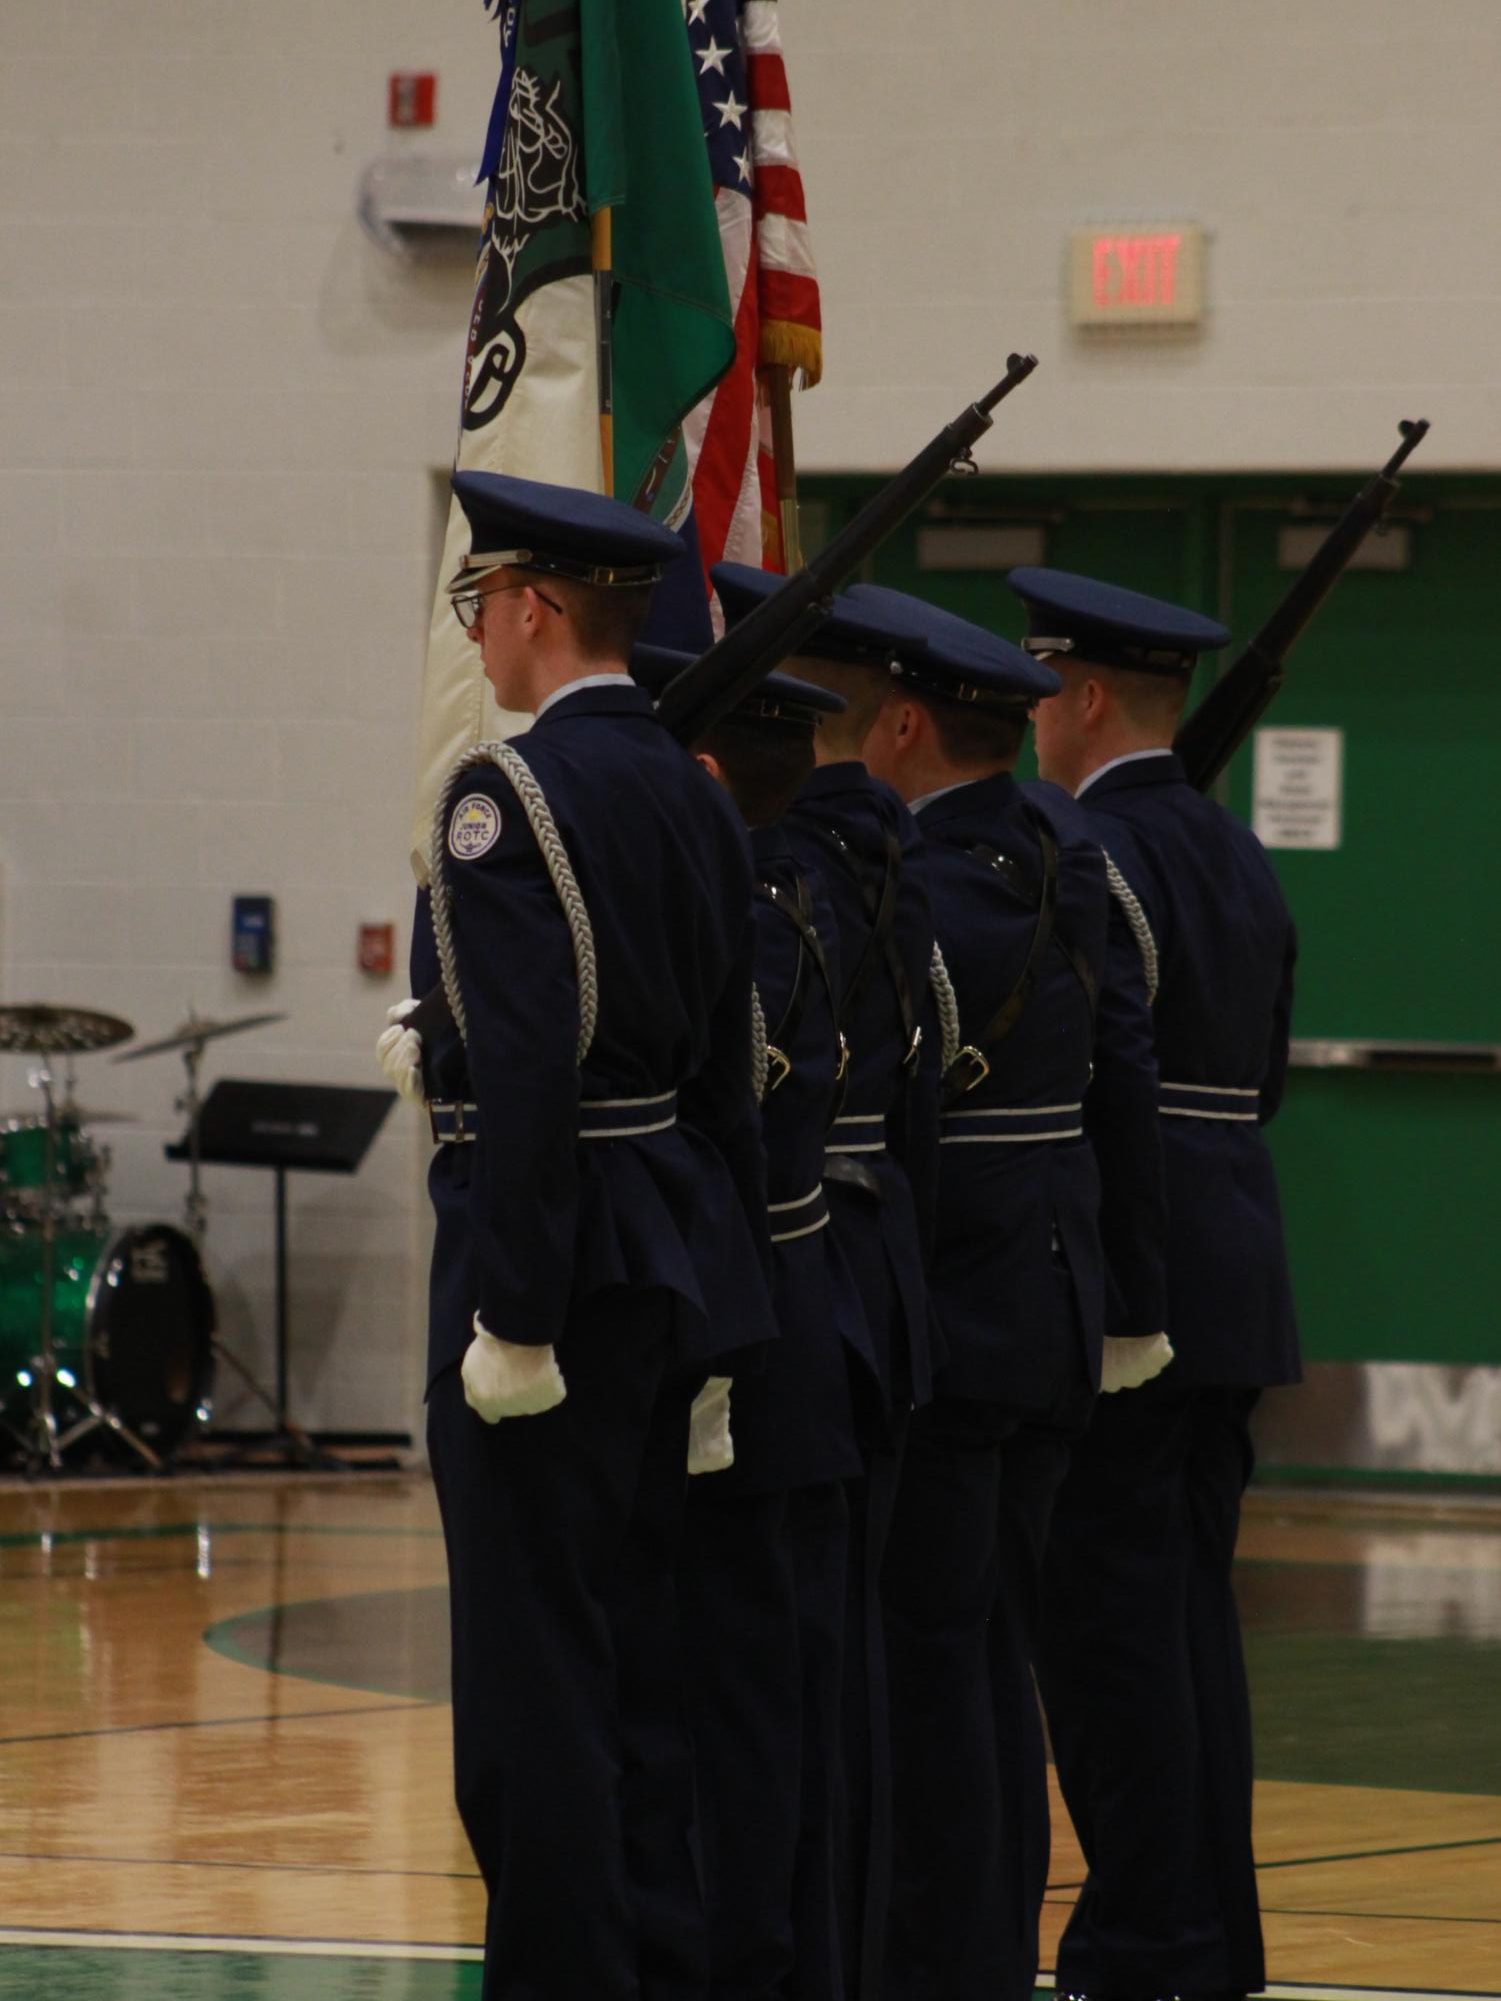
(132, 1319)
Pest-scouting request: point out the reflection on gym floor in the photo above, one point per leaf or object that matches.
(225, 1722)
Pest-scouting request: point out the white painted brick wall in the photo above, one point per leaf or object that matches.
(220, 410)
(1343, 158)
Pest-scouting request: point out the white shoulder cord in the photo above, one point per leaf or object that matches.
(1136, 917)
(948, 1007)
(559, 868)
(760, 1060)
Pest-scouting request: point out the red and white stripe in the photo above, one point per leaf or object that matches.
(772, 281)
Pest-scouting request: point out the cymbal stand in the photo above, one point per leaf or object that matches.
(195, 1220)
(43, 1441)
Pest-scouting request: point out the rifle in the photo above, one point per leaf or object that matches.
(710, 686)
(1210, 737)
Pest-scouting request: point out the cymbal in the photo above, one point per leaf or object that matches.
(197, 1028)
(40, 1029)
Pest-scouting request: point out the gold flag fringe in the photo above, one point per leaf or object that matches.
(787, 344)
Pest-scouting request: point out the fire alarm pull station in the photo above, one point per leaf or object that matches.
(253, 937)
(377, 951)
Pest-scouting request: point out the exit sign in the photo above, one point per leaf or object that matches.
(1136, 277)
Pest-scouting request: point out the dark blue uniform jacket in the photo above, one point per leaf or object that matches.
(838, 826)
(1018, 1278)
(1226, 948)
(1120, 1113)
(791, 1420)
(530, 1218)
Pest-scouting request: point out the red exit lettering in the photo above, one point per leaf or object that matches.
(1135, 271)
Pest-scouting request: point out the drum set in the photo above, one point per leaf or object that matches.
(105, 1334)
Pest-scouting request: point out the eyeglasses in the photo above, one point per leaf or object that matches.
(469, 606)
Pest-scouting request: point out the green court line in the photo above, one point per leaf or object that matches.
(1374, 1854)
(224, 1722)
(1056, 1891)
(207, 1862)
(60, 1538)
(23, 1580)
(1395, 1917)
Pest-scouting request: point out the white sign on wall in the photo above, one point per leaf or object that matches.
(1298, 787)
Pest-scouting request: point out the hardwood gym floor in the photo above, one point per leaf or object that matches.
(224, 1744)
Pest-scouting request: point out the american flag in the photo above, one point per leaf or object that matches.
(763, 229)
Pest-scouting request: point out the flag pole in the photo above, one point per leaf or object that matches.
(778, 379)
(601, 259)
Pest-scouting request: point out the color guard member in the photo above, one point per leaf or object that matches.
(1044, 1055)
(763, 1574)
(880, 1169)
(600, 1207)
(1142, 1669)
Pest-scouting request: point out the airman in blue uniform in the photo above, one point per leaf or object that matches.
(1142, 1669)
(599, 1192)
(762, 1582)
(879, 1175)
(1038, 1056)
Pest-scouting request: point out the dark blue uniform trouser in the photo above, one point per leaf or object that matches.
(818, 1543)
(1034, 1461)
(961, 1588)
(864, 1824)
(1145, 1686)
(572, 1769)
(740, 1633)
(762, 1586)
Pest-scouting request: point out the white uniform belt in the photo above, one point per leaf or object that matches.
(457, 1123)
(1227, 1102)
(801, 1218)
(858, 1132)
(1011, 1125)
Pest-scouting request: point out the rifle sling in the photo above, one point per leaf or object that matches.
(880, 944)
(971, 1065)
(798, 910)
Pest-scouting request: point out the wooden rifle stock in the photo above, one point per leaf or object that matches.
(709, 687)
(1210, 737)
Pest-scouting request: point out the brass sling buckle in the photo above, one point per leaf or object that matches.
(778, 1068)
(844, 1058)
(909, 1061)
(968, 1069)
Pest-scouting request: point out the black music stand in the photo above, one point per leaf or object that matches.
(313, 1128)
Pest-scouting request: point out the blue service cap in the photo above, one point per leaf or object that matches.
(844, 635)
(557, 529)
(1112, 626)
(779, 698)
(955, 657)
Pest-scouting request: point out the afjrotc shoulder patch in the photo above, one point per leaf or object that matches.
(473, 827)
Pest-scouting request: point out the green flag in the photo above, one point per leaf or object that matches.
(645, 159)
(597, 108)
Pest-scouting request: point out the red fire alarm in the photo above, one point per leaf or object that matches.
(412, 98)
(377, 949)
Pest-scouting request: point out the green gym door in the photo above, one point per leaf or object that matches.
(1391, 1175)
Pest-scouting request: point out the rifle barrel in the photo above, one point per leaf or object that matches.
(1413, 430)
(1210, 737)
(710, 686)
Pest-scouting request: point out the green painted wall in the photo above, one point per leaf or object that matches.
(1391, 1183)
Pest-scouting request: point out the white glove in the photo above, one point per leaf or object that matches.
(399, 1052)
(509, 1379)
(1131, 1361)
(710, 1447)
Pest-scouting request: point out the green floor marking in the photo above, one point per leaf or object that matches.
(69, 1973)
(1415, 1715)
(165, 1531)
(382, 1642)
